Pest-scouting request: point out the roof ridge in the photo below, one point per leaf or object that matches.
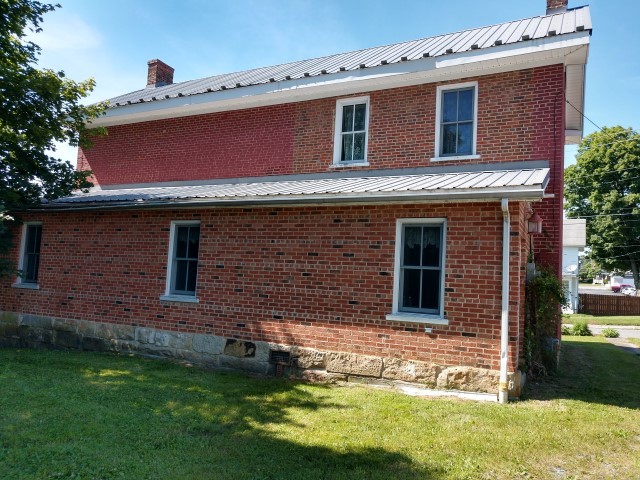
(386, 45)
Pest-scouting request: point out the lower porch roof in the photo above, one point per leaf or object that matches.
(517, 180)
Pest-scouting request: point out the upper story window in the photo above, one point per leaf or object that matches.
(182, 271)
(456, 122)
(351, 133)
(30, 255)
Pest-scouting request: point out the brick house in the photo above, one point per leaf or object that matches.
(357, 215)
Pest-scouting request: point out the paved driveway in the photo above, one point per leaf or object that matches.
(625, 331)
(596, 289)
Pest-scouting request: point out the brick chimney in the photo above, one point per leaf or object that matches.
(556, 6)
(159, 74)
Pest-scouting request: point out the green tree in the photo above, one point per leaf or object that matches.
(604, 187)
(589, 268)
(38, 107)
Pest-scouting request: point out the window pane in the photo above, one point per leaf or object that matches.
(465, 138)
(358, 146)
(181, 275)
(449, 106)
(449, 139)
(465, 105)
(38, 236)
(182, 239)
(430, 289)
(347, 118)
(360, 116)
(411, 246)
(347, 147)
(194, 242)
(31, 268)
(431, 247)
(192, 274)
(411, 288)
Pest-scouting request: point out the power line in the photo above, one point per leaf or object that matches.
(617, 256)
(599, 128)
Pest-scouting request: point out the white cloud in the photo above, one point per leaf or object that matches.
(66, 33)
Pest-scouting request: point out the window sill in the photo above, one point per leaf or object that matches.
(417, 318)
(179, 299)
(26, 286)
(460, 157)
(349, 164)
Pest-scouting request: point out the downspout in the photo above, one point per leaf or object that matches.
(503, 389)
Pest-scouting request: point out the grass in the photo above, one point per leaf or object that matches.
(635, 341)
(93, 416)
(627, 320)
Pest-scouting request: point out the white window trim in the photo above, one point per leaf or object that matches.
(19, 283)
(168, 296)
(396, 314)
(337, 136)
(439, 93)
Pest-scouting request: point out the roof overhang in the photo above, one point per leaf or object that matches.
(569, 49)
(488, 185)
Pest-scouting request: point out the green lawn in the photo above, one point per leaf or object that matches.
(602, 320)
(635, 341)
(94, 416)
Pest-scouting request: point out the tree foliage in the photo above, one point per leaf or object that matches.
(589, 268)
(604, 187)
(38, 107)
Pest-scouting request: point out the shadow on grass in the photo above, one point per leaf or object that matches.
(99, 416)
(594, 371)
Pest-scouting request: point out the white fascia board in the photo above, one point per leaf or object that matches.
(498, 59)
(515, 193)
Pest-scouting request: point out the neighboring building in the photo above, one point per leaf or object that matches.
(574, 239)
(361, 214)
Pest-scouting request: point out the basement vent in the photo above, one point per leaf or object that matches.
(279, 357)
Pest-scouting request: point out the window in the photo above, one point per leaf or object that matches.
(352, 123)
(30, 253)
(182, 271)
(456, 125)
(419, 272)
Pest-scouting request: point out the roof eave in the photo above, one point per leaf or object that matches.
(532, 193)
(526, 54)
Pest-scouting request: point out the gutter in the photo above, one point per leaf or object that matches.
(532, 194)
(503, 389)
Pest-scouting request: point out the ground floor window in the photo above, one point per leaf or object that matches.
(419, 272)
(30, 253)
(182, 271)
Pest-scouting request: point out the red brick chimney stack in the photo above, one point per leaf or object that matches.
(556, 6)
(159, 74)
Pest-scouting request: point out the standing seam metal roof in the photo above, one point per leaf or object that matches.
(337, 187)
(529, 29)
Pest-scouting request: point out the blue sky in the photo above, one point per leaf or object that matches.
(112, 41)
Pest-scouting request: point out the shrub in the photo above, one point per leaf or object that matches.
(544, 297)
(566, 330)
(610, 333)
(581, 329)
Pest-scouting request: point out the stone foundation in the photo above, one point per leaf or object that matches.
(34, 331)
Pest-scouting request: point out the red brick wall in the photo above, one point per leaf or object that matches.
(319, 277)
(517, 112)
(223, 145)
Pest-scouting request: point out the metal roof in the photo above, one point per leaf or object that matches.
(526, 30)
(526, 183)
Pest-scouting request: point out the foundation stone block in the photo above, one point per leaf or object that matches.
(469, 379)
(354, 364)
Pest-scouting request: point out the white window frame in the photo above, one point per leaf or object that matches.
(396, 314)
(168, 295)
(337, 138)
(439, 94)
(20, 283)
